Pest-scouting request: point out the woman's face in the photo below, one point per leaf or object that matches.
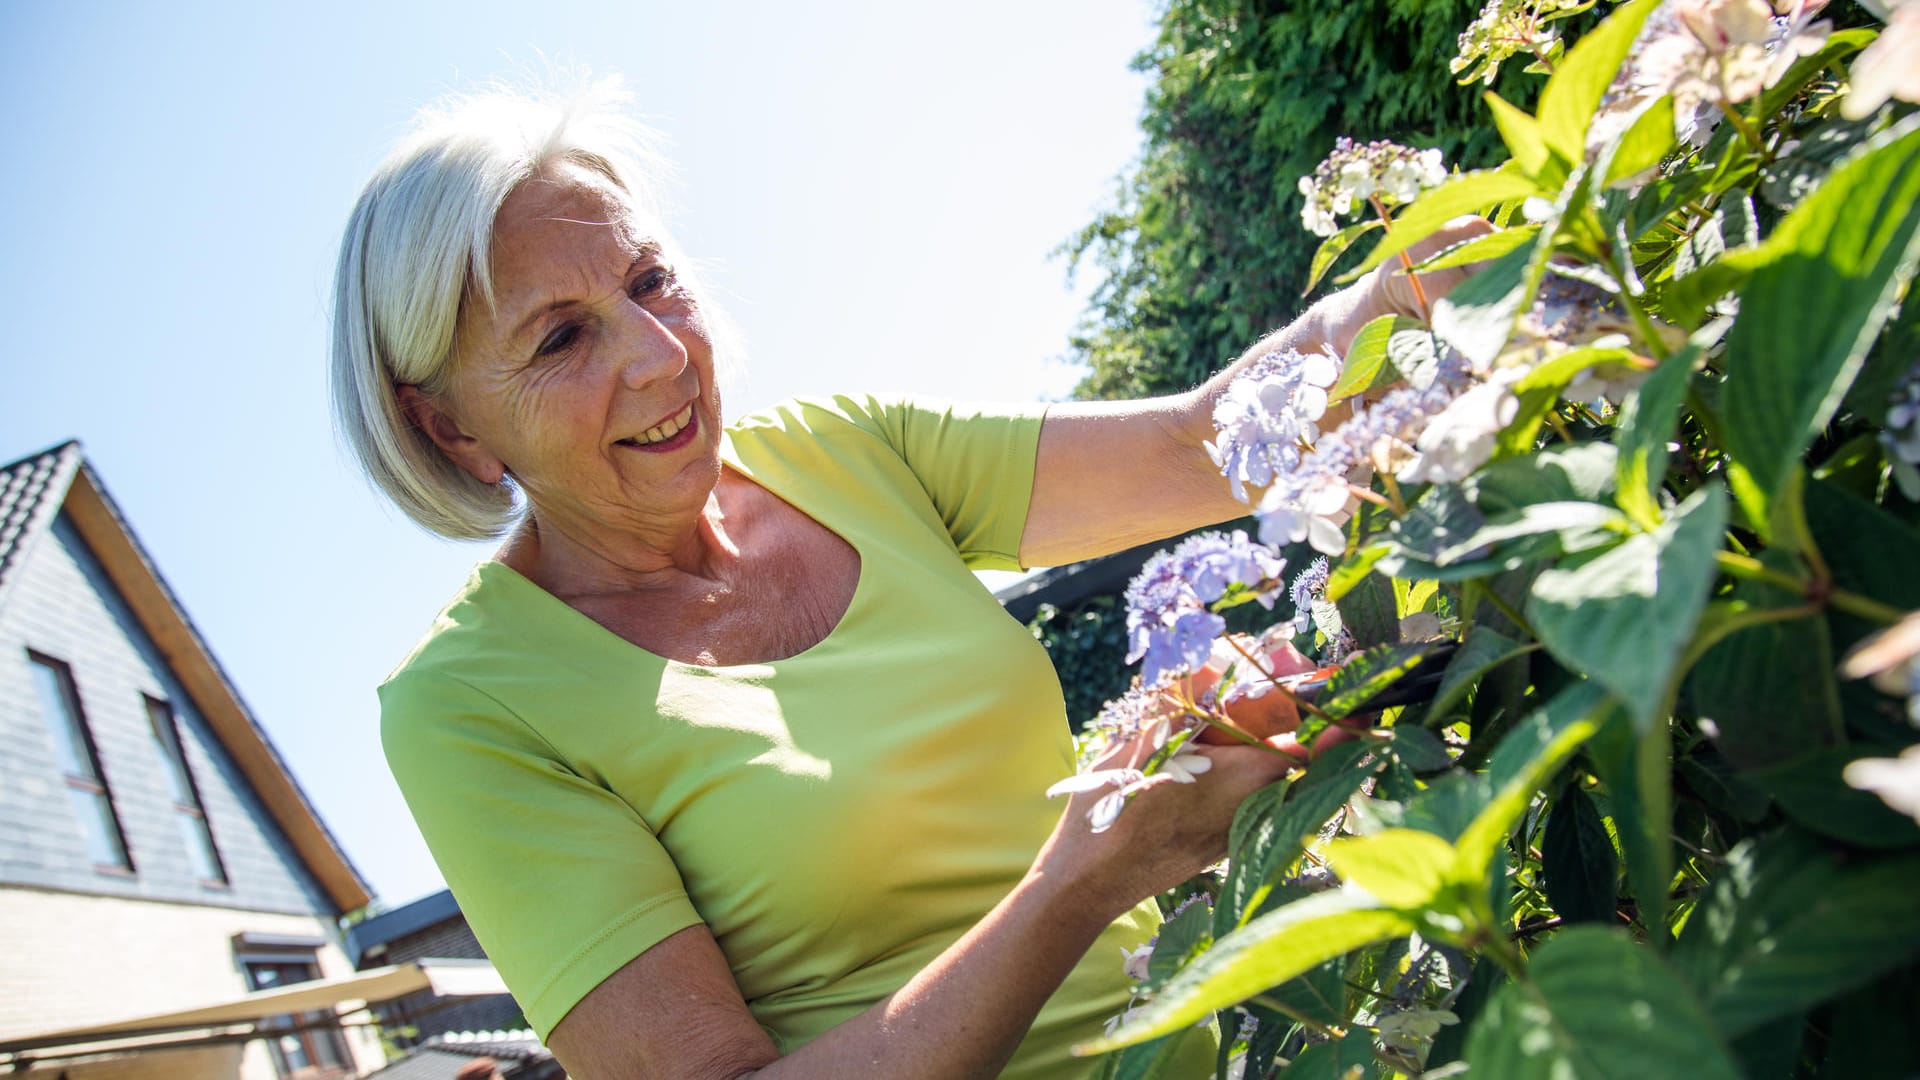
(591, 379)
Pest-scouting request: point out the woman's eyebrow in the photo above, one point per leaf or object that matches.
(643, 250)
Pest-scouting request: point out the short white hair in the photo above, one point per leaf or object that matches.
(419, 244)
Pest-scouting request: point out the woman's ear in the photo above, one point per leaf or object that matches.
(431, 415)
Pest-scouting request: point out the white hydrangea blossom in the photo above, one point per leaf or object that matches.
(1356, 173)
(1888, 68)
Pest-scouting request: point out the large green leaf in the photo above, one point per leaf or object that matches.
(1362, 678)
(1596, 1006)
(1366, 365)
(1638, 780)
(1347, 1058)
(1646, 142)
(1524, 761)
(1576, 856)
(1333, 247)
(1572, 96)
(1271, 949)
(1646, 425)
(1405, 868)
(1367, 612)
(1483, 650)
(1477, 317)
(1788, 924)
(1481, 248)
(1813, 794)
(1769, 688)
(1836, 268)
(1274, 839)
(1468, 193)
(1320, 994)
(1524, 139)
(1623, 615)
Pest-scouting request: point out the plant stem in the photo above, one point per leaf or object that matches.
(1393, 494)
(1300, 703)
(1511, 612)
(1295, 1015)
(1817, 590)
(1504, 954)
(1413, 279)
(1622, 272)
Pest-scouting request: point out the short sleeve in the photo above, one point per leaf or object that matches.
(561, 880)
(976, 462)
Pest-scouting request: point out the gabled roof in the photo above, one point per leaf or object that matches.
(33, 491)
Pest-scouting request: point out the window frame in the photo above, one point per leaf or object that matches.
(318, 1031)
(173, 752)
(95, 785)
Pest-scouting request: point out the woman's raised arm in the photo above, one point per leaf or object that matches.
(1112, 474)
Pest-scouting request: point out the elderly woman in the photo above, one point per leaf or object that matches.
(733, 767)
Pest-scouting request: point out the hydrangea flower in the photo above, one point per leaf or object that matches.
(1902, 435)
(1411, 1031)
(1355, 173)
(1169, 628)
(1891, 659)
(1505, 29)
(1309, 585)
(1461, 437)
(1708, 54)
(1267, 413)
(1890, 67)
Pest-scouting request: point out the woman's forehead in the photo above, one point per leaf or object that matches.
(568, 194)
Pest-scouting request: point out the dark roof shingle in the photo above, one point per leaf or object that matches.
(29, 488)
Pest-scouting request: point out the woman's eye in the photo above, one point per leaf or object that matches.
(557, 342)
(653, 281)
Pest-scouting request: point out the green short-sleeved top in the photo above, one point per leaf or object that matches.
(837, 818)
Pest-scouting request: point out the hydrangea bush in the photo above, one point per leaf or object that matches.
(1643, 490)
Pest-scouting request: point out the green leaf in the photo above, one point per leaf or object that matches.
(1769, 688)
(1840, 45)
(1272, 948)
(1353, 570)
(1366, 365)
(1275, 840)
(1419, 749)
(1624, 614)
(1320, 994)
(1332, 248)
(1596, 1006)
(1405, 868)
(1645, 144)
(1367, 612)
(1647, 423)
(1360, 679)
(1812, 793)
(1572, 96)
(1521, 132)
(1480, 249)
(1556, 474)
(1837, 266)
(1540, 389)
(1576, 857)
(1524, 761)
(1348, 1058)
(1254, 810)
(1477, 317)
(1787, 924)
(1469, 193)
(1180, 937)
(1483, 650)
(1448, 805)
(1633, 768)
(1140, 1062)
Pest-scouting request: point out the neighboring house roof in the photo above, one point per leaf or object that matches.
(517, 1053)
(33, 490)
(392, 925)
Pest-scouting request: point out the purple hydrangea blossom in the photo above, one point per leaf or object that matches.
(1309, 585)
(1268, 412)
(1169, 628)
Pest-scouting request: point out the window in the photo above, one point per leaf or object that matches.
(80, 764)
(189, 814)
(307, 1045)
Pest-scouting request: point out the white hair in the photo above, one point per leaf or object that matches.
(419, 244)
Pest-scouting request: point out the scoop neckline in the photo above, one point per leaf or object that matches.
(729, 458)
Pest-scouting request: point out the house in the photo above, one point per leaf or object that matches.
(429, 928)
(156, 855)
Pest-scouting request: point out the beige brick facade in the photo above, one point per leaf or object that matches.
(69, 959)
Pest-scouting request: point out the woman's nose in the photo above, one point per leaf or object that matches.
(648, 349)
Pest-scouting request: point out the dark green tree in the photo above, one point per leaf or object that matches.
(1204, 251)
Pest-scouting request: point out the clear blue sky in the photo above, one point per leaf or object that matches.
(877, 187)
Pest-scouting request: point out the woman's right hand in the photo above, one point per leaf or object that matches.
(1168, 832)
